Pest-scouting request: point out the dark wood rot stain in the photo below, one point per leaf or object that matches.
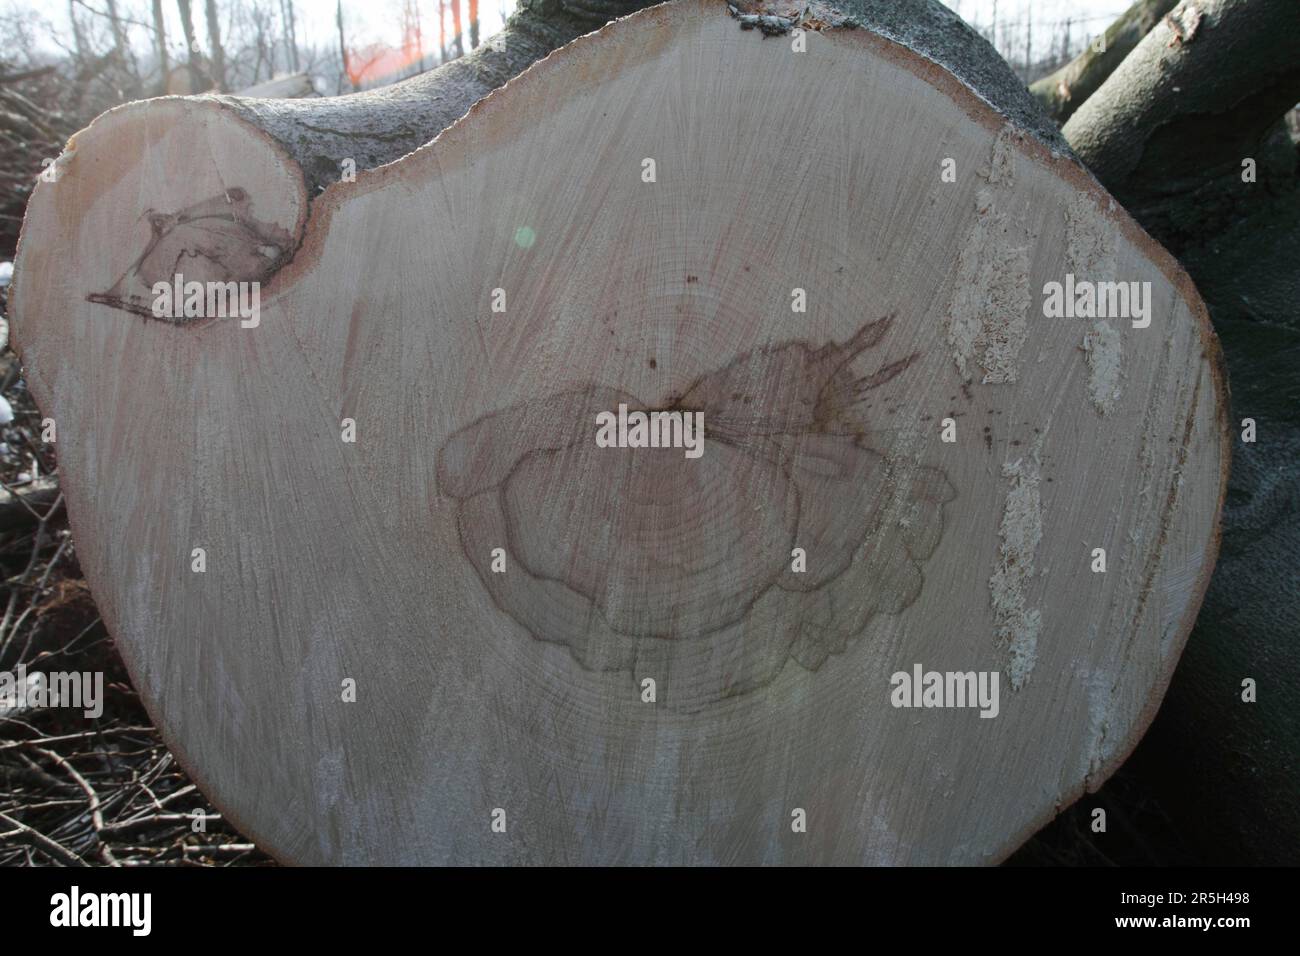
(641, 560)
(216, 240)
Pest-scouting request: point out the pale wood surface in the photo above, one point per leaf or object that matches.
(520, 691)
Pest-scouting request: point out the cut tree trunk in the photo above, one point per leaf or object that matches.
(438, 621)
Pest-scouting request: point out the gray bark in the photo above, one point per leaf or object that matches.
(1168, 131)
(1063, 92)
(932, 30)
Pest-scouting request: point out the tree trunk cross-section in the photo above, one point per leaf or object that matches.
(500, 584)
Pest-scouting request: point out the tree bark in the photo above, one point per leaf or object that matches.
(1169, 131)
(827, 257)
(1064, 91)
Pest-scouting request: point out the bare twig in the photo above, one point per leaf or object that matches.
(55, 850)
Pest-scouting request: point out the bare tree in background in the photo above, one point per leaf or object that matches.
(78, 38)
(412, 33)
(458, 44)
(263, 47)
(160, 45)
(343, 51)
(193, 58)
(473, 24)
(214, 45)
(289, 23)
(442, 31)
(122, 51)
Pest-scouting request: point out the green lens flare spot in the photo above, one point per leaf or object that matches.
(525, 237)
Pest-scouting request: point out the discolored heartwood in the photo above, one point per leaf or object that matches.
(522, 689)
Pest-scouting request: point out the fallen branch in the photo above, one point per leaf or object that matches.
(1064, 91)
(52, 848)
(25, 505)
(1172, 128)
